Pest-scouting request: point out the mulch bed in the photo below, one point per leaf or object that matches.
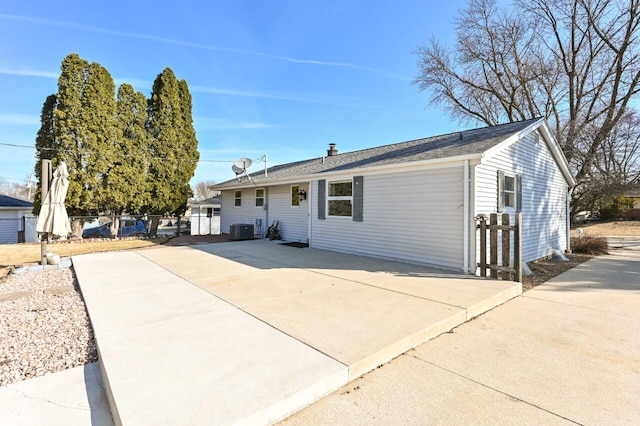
(188, 240)
(545, 269)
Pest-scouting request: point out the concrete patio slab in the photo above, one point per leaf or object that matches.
(360, 326)
(358, 310)
(73, 397)
(213, 363)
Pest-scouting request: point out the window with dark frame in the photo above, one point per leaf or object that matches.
(259, 197)
(238, 199)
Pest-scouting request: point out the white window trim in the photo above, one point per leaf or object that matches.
(291, 197)
(257, 198)
(514, 192)
(235, 198)
(339, 198)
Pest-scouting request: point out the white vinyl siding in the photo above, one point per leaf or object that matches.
(544, 192)
(411, 216)
(247, 213)
(293, 221)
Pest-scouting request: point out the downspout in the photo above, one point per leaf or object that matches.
(569, 194)
(266, 209)
(309, 198)
(465, 218)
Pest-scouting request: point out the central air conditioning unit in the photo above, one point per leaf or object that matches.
(241, 231)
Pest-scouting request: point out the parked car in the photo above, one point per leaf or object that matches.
(128, 228)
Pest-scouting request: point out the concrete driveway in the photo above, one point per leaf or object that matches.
(250, 332)
(566, 352)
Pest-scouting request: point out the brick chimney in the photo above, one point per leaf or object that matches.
(332, 150)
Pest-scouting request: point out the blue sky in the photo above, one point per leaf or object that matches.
(282, 78)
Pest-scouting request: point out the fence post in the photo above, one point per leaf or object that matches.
(517, 249)
(493, 244)
(483, 246)
(506, 245)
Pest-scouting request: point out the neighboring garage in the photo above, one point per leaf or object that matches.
(205, 217)
(17, 223)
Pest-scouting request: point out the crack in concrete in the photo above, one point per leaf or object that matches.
(493, 389)
(48, 401)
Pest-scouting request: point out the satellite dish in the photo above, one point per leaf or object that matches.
(237, 170)
(242, 163)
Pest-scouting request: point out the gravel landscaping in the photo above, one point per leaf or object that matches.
(44, 326)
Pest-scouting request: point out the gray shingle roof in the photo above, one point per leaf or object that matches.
(468, 142)
(212, 200)
(6, 201)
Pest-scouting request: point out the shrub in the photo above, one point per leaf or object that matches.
(590, 245)
(616, 208)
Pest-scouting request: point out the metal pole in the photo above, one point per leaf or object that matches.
(45, 178)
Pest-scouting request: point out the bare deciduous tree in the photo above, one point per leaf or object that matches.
(616, 164)
(202, 190)
(576, 62)
(16, 189)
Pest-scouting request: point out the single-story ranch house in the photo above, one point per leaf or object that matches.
(415, 201)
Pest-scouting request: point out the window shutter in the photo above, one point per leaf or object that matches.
(358, 186)
(518, 193)
(322, 195)
(500, 191)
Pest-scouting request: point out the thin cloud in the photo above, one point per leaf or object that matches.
(19, 119)
(28, 73)
(222, 124)
(306, 98)
(201, 46)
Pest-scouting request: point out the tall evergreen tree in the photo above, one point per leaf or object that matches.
(131, 160)
(69, 129)
(189, 146)
(126, 154)
(102, 133)
(173, 144)
(45, 144)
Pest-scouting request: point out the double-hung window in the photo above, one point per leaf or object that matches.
(340, 198)
(238, 199)
(259, 197)
(509, 191)
(295, 195)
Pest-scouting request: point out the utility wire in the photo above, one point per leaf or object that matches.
(88, 151)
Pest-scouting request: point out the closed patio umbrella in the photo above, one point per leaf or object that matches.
(53, 218)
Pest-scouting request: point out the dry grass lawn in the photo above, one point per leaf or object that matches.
(19, 254)
(621, 228)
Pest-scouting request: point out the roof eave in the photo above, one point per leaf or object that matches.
(551, 142)
(385, 167)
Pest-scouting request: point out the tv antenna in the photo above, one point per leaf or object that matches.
(240, 167)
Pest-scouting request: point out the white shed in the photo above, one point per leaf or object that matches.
(205, 216)
(17, 223)
(416, 201)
